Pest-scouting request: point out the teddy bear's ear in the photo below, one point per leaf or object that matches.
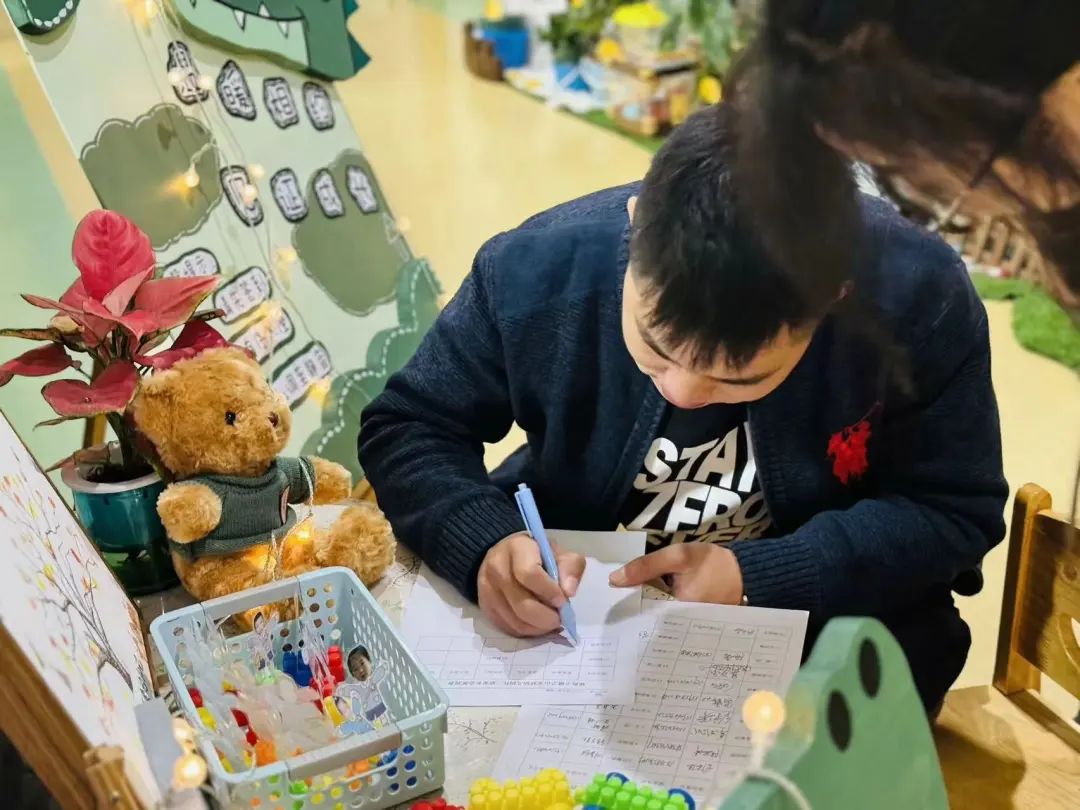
(153, 405)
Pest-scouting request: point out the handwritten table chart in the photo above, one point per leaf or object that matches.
(684, 726)
(491, 661)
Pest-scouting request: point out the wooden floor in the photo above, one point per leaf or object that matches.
(999, 753)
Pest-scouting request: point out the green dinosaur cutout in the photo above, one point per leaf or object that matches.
(40, 16)
(308, 34)
(389, 350)
(856, 734)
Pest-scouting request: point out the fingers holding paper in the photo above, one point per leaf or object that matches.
(696, 572)
(517, 594)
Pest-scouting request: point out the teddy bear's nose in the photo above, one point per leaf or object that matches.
(274, 419)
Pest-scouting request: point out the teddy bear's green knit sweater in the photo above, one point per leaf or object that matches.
(253, 509)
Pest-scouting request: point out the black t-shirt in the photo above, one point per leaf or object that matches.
(698, 481)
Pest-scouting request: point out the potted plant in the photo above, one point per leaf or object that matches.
(573, 34)
(117, 316)
(720, 28)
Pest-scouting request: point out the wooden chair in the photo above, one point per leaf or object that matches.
(1042, 599)
(1002, 747)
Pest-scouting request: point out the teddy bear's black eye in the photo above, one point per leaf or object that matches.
(230, 418)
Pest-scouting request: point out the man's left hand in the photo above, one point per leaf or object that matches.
(696, 572)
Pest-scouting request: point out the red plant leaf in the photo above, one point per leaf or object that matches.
(72, 303)
(137, 323)
(173, 300)
(109, 392)
(194, 338)
(118, 299)
(108, 249)
(40, 362)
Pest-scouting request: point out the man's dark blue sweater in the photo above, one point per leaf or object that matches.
(534, 337)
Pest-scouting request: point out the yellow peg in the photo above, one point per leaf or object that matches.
(332, 711)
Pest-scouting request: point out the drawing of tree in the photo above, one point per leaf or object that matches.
(51, 555)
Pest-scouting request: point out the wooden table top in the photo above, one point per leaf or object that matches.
(1002, 752)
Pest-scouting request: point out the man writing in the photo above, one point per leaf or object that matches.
(671, 379)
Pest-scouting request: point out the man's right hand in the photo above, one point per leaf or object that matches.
(516, 593)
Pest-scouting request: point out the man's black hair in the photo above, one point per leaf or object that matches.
(706, 281)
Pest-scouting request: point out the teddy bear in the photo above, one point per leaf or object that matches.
(217, 426)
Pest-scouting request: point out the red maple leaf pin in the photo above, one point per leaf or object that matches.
(847, 448)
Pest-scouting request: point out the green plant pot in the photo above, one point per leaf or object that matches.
(122, 521)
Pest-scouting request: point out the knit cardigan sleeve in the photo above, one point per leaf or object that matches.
(422, 440)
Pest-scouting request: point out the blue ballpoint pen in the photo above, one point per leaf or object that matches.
(531, 516)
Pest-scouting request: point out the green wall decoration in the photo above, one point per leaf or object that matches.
(307, 34)
(134, 165)
(41, 16)
(355, 238)
(242, 167)
(417, 306)
(856, 735)
(37, 258)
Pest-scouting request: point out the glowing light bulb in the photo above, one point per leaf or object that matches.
(191, 177)
(150, 8)
(403, 224)
(189, 772)
(273, 314)
(184, 734)
(256, 171)
(303, 531)
(319, 390)
(249, 194)
(763, 712)
(286, 254)
(176, 76)
(204, 82)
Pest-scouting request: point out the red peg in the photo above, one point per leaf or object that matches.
(196, 698)
(251, 738)
(240, 717)
(422, 806)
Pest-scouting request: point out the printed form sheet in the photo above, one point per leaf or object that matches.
(478, 665)
(698, 663)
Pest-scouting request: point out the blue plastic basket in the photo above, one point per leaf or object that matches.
(348, 615)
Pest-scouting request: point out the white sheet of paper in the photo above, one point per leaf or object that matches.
(480, 666)
(697, 665)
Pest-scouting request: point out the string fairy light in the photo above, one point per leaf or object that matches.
(191, 177)
(184, 734)
(280, 259)
(319, 391)
(189, 772)
(764, 714)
